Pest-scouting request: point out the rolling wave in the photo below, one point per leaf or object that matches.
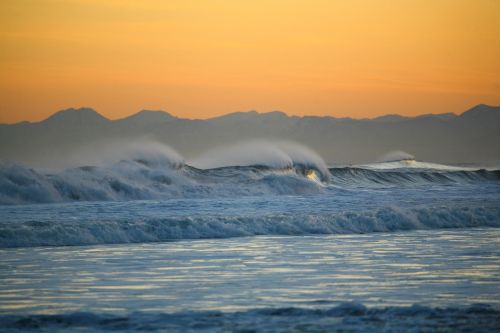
(84, 231)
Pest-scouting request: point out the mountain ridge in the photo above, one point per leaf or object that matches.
(471, 137)
(88, 112)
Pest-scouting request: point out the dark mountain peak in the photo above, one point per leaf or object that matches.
(149, 116)
(479, 108)
(72, 115)
(238, 115)
(275, 114)
(481, 111)
(156, 113)
(251, 115)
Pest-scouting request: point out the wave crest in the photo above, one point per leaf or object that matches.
(279, 155)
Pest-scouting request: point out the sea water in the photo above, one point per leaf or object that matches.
(432, 279)
(141, 247)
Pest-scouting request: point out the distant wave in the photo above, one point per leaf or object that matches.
(413, 164)
(346, 317)
(385, 177)
(137, 230)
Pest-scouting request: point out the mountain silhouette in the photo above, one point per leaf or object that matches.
(472, 137)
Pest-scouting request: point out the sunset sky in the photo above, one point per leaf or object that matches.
(197, 59)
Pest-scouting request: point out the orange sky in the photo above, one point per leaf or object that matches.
(196, 59)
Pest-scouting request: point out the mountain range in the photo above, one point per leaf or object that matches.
(471, 137)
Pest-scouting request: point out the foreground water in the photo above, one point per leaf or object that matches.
(239, 282)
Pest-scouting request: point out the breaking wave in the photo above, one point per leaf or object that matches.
(142, 180)
(276, 155)
(153, 171)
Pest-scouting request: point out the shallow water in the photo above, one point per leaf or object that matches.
(432, 268)
(435, 268)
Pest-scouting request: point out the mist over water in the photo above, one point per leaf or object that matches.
(108, 153)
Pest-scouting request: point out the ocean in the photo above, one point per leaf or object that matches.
(152, 243)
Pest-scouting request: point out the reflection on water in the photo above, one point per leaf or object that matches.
(435, 268)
